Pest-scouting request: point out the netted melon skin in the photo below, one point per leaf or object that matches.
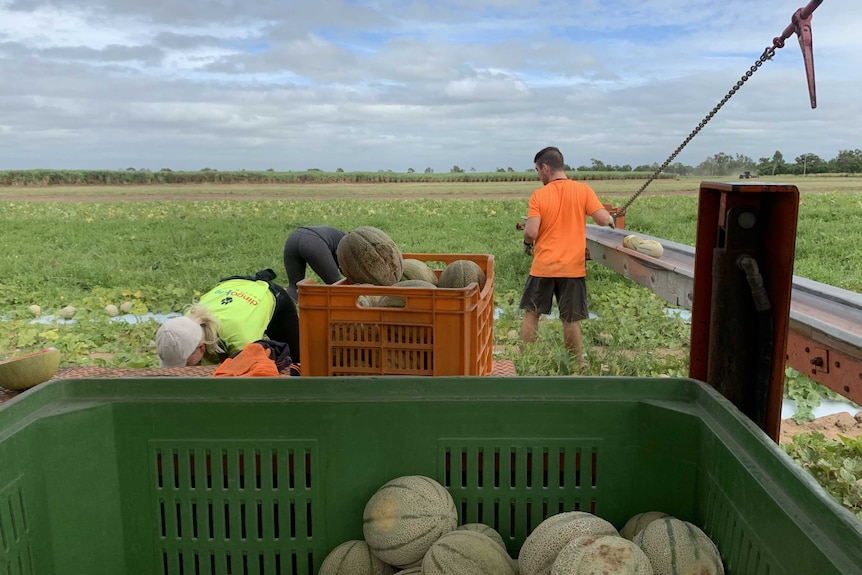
(486, 530)
(638, 523)
(606, 554)
(414, 269)
(541, 547)
(405, 517)
(354, 558)
(460, 274)
(674, 546)
(465, 552)
(368, 255)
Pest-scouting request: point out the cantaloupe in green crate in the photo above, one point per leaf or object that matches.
(639, 521)
(405, 517)
(464, 552)
(676, 547)
(541, 547)
(601, 555)
(354, 558)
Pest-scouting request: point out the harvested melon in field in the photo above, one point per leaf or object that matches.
(26, 371)
(638, 523)
(405, 517)
(353, 558)
(418, 270)
(601, 555)
(368, 255)
(676, 547)
(465, 552)
(484, 530)
(651, 248)
(460, 274)
(551, 535)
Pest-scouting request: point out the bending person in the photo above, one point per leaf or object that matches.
(237, 311)
(313, 246)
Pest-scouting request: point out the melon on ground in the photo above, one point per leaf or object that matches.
(353, 558)
(485, 530)
(677, 547)
(465, 552)
(541, 547)
(368, 255)
(405, 517)
(601, 555)
(29, 370)
(638, 523)
(460, 274)
(414, 269)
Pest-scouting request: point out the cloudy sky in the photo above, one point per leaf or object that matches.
(392, 85)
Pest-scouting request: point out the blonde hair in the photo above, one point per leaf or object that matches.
(210, 325)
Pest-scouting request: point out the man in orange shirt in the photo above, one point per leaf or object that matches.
(555, 233)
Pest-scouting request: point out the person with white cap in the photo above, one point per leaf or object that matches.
(236, 312)
(181, 341)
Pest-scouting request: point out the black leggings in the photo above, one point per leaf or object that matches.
(304, 247)
(284, 325)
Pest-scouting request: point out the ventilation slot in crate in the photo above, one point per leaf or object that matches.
(235, 507)
(15, 555)
(513, 485)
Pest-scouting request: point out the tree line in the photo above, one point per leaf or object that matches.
(721, 164)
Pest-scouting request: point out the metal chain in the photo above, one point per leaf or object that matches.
(767, 55)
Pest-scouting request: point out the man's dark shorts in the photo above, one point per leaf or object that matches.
(571, 294)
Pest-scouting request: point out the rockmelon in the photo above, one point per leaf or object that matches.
(484, 530)
(638, 523)
(601, 555)
(411, 571)
(632, 241)
(399, 301)
(460, 274)
(418, 270)
(551, 535)
(368, 255)
(465, 552)
(405, 517)
(651, 248)
(26, 371)
(676, 547)
(353, 558)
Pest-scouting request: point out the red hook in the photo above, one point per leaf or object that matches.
(800, 24)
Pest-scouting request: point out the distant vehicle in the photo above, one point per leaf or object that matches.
(746, 175)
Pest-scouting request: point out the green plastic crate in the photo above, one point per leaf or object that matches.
(217, 476)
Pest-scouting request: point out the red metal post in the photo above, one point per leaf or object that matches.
(743, 278)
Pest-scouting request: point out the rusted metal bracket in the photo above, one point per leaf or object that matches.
(800, 24)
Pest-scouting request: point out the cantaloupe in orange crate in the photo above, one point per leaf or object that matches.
(405, 329)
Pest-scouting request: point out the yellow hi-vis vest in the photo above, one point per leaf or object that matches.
(244, 309)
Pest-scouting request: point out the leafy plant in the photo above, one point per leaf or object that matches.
(836, 464)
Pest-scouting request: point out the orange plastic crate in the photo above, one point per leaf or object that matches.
(439, 331)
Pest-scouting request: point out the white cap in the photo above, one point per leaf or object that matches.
(176, 341)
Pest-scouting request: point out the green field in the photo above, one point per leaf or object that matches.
(158, 247)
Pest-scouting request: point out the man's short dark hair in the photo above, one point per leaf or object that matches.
(551, 156)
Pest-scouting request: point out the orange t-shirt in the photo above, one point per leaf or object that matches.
(563, 206)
